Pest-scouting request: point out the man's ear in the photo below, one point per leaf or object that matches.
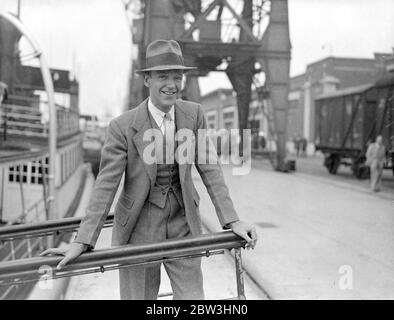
(147, 80)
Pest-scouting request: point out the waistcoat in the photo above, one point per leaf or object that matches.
(167, 177)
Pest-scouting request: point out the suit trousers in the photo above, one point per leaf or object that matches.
(376, 175)
(154, 225)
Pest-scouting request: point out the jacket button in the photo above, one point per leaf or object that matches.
(163, 192)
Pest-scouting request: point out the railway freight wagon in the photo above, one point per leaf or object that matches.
(348, 120)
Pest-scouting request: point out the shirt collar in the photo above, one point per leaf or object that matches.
(157, 113)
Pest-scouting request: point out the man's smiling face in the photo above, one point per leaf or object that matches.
(164, 87)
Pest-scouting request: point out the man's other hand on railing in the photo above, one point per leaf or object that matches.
(246, 231)
(70, 253)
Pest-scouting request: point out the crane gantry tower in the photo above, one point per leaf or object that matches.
(247, 39)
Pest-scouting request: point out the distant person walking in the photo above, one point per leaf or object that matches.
(303, 145)
(376, 155)
(297, 142)
(391, 151)
(3, 92)
(263, 142)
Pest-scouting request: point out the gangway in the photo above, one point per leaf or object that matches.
(31, 270)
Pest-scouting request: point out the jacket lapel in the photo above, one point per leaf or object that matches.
(142, 124)
(183, 120)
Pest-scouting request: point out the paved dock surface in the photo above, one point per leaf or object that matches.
(319, 237)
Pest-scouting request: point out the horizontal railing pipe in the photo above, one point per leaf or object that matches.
(43, 228)
(123, 255)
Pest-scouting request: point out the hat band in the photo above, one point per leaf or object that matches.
(168, 58)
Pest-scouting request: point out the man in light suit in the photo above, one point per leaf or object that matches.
(159, 200)
(376, 155)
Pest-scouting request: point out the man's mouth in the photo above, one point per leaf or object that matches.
(169, 93)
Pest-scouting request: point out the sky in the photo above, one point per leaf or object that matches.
(89, 37)
(92, 39)
(340, 28)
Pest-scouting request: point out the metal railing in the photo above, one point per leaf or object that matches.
(50, 227)
(22, 120)
(67, 121)
(31, 270)
(29, 120)
(22, 247)
(30, 215)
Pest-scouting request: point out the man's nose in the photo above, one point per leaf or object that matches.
(170, 83)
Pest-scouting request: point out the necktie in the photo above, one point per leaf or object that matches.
(169, 137)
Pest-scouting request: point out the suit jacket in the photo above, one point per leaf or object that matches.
(123, 153)
(376, 154)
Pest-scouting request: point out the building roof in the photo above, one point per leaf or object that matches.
(329, 79)
(357, 61)
(345, 92)
(347, 59)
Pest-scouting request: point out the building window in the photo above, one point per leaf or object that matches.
(38, 169)
(211, 120)
(31, 172)
(228, 115)
(229, 118)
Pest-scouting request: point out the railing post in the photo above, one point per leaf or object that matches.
(29, 249)
(12, 250)
(239, 274)
(21, 191)
(40, 244)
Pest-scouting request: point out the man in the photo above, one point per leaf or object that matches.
(297, 144)
(158, 200)
(376, 155)
(304, 144)
(391, 151)
(3, 92)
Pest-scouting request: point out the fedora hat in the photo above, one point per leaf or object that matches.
(164, 55)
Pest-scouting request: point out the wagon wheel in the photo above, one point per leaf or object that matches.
(360, 170)
(332, 163)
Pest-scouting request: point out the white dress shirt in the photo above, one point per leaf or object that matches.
(158, 116)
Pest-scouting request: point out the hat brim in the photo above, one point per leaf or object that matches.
(165, 67)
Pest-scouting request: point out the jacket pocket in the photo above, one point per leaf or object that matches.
(124, 206)
(126, 201)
